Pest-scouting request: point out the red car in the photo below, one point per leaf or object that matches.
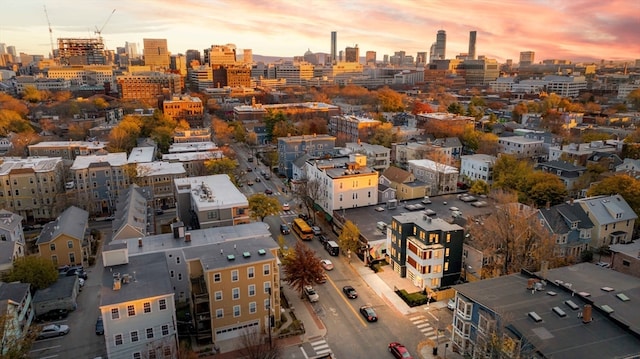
(399, 351)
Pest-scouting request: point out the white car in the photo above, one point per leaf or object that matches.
(286, 207)
(326, 264)
(451, 304)
(311, 294)
(53, 330)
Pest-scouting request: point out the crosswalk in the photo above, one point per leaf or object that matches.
(425, 327)
(288, 213)
(321, 347)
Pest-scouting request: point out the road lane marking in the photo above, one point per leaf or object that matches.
(344, 298)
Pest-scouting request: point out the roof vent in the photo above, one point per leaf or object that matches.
(559, 312)
(262, 252)
(607, 309)
(231, 257)
(246, 254)
(536, 318)
(552, 293)
(623, 297)
(571, 305)
(607, 289)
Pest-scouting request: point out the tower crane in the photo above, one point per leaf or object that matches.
(99, 31)
(50, 31)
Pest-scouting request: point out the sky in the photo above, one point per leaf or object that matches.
(576, 30)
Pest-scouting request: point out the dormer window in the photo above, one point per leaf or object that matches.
(574, 225)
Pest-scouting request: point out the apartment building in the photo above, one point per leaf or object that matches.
(66, 239)
(521, 147)
(12, 242)
(210, 201)
(351, 128)
(192, 135)
(17, 313)
(292, 147)
(86, 75)
(446, 150)
(427, 251)
(580, 152)
(346, 182)
(148, 86)
(439, 177)
(42, 84)
(193, 162)
(300, 110)
(612, 217)
(378, 157)
(97, 181)
(67, 150)
(477, 167)
(160, 176)
(294, 72)
(185, 108)
(29, 187)
(133, 216)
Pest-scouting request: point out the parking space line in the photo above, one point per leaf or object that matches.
(47, 348)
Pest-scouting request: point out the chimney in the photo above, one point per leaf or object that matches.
(139, 242)
(187, 237)
(530, 283)
(586, 314)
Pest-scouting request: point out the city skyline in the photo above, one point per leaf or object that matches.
(582, 30)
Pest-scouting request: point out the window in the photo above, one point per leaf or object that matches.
(137, 355)
(165, 330)
(134, 336)
(253, 308)
(152, 354)
(163, 304)
(217, 277)
(118, 339)
(234, 275)
(219, 313)
(179, 276)
(266, 269)
(266, 304)
(251, 272)
(218, 295)
(131, 310)
(149, 333)
(115, 314)
(236, 311)
(52, 246)
(252, 290)
(72, 257)
(167, 352)
(267, 287)
(147, 307)
(236, 293)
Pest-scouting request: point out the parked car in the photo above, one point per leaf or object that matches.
(258, 179)
(303, 216)
(268, 191)
(350, 292)
(53, 330)
(316, 230)
(77, 271)
(399, 351)
(284, 229)
(267, 177)
(321, 279)
(311, 294)
(249, 169)
(326, 264)
(99, 326)
(603, 264)
(249, 183)
(55, 314)
(368, 313)
(323, 239)
(451, 304)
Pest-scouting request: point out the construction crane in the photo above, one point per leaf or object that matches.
(50, 31)
(99, 31)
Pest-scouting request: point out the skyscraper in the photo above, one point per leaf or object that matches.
(156, 54)
(370, 58)
(441, 45)
(472, 45)
(334, 47)
(352, 54)
(131, 49)
(527, 57)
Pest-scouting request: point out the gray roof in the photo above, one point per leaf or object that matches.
(6, 252)
(301, 160)
(216, 255)
(149, 278)
(14, 291)
(566, 337)
(62, 288)
(562, 165)
(631, 249)
(560, 217)
(9, 220)
(608, 209)
(72, 222)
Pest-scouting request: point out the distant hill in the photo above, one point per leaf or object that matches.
(269, 59)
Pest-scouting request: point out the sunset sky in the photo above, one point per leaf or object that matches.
(563, 29)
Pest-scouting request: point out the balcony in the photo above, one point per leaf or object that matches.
(199, 290)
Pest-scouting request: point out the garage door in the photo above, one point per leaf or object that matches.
(236, 331)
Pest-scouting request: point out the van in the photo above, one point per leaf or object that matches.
(332, 247)
(381, 226)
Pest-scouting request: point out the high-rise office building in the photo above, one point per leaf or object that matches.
(334, 47)
(81, 51)
(221, 55)
(11, 50)
(441, 45)
(132, 49)
(370, 58)
(156, 54)
(352, 54)
(527, 57)
(193, 55)
(421, 58)
(472, 45)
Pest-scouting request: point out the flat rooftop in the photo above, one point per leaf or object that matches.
(209, 192)
(114, 160)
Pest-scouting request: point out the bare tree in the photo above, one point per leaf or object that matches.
(309, 192)
(257, 345)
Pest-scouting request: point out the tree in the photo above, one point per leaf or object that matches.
(302, 267)
(390, 100)
(509, 172)
(256, 345)
(479, 187)
(218, 166)
(634, 98)
(32, 94)
(308, 192)
(512, 236)
(455, 108)
(384, 135)
(8, 102)
(349, 239)
(544, 188)
(624, 185)
(488, 143)
(15, 340)
(261, 206)
(38, 271)
(222, 132)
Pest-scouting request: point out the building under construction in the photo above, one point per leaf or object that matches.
(75, 51)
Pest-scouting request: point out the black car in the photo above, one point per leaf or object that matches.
(323, 239)
(284, 229)
(77, 271)
(99, 326)
(350, 292)
(369, 314)
(268, 191)
(55, 314)
(303, 216)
